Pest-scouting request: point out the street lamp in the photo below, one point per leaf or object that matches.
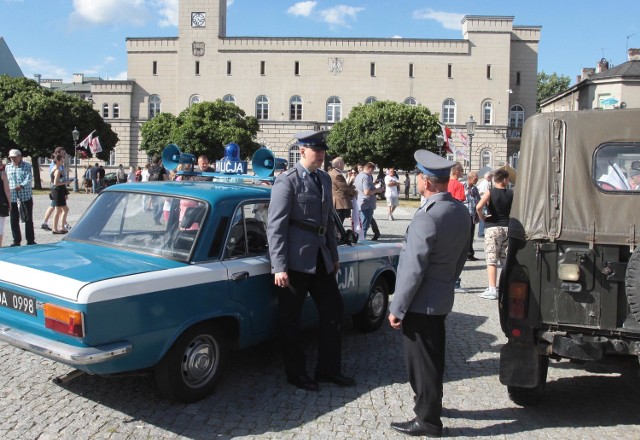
(439, 143)
(76, 135)
(471, 130)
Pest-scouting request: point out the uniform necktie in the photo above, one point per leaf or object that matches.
(316, 179)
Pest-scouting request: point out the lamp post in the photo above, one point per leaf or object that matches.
(440, 143)
(76, 135)
(471, 130)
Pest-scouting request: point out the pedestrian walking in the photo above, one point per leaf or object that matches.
(472, 197)
(391, 192)
(341, 191)
(58, 195)
(430, 262)
(366, 197)
(59, 151)
(5, 200)
(407, 186)
(20, 175)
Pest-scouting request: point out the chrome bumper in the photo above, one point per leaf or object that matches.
(65, 353)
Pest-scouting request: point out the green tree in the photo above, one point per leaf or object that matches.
(203, 128)
(385, 133)
(550, 85)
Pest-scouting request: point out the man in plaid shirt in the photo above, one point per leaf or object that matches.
(19, 176)
(472, 198)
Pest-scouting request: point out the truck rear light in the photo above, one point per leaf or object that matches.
(63, 320)
(518, 296)
(516, 333)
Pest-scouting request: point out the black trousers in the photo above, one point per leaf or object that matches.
(343, 214)
(324, 291)
(374, 226)
(14, 218)
(473, 231)
(424, 340)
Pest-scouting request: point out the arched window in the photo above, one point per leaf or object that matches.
(449, 111)
(487, 113)
(485, 158)
(294, 155)
(410, 101)
(295, 108)
(105, 110)
(154, 106)
(262, 107)
(116, 111)
(516, 116)
(195, 99)
(371, 100)
(229, 98)
(334, 109)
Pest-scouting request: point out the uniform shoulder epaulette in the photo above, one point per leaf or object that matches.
(429, 205)
(290, 171)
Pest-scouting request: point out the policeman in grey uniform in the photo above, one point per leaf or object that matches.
(304, 258)
(435, 250)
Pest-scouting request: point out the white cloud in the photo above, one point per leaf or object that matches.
(448, 20)
(168, 10)
(339, 15)
(303, 9)
(397, 36)
(46, 68)
(89, 12)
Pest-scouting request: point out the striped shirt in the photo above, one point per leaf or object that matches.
(19, 176)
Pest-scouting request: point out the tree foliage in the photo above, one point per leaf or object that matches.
(550, 85)
(386, 133)
(203, 128)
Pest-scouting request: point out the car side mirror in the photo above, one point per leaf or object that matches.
(351, 237)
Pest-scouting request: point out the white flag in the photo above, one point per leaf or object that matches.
(95, 146)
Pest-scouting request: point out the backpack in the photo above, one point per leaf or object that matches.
(154, 172)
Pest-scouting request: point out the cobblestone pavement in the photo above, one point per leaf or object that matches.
(254, 402)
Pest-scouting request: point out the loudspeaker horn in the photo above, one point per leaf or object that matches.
(172, 157)
(264, 163)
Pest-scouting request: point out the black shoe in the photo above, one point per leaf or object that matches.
(375, 237)
(14, 244)
(338, 379)
(31, 243)
(472, 258)
(414, 428)
(304, 382)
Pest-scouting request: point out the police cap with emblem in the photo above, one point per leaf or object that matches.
(433, 165)
(313, 139)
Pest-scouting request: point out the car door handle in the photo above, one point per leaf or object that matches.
(239, 276)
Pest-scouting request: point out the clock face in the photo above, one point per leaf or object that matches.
(197, 19)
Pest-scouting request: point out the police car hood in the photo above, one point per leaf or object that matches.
(64, 269)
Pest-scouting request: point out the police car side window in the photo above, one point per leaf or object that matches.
(248, 231)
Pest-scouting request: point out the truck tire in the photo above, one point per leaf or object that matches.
(193, 365)
(372, 316)
(531, 396)
(632, 283)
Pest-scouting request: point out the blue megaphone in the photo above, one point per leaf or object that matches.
(172, 157)
(264, 163)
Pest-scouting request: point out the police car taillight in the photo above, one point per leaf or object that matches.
(517, 299)
(63, 320)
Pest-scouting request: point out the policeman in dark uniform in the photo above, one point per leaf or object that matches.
(304, 258)
(435, 250)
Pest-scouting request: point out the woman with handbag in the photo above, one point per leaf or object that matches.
(5, 196)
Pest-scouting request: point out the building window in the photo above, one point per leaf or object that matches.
(155, 68)
(263, 67)
(105, 110)
(195, 99)
(294, 154)
(488, 71)
(262, 107)
(116, 111)
(450, 71)
(485, 158)
(516, 116)
(372, 69)
(487, 113)
(410, 70)
(370, 100)
(154, 106)
(410, 101)
(197, 67)
(296, 68)
(449, 111)
(112, 158)
(228, 67)
(229, 98)
(517, 78)
(295, 108)
(334, 109)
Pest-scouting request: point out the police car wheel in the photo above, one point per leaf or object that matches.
(193, 366)
(375, 310)
(632, 283)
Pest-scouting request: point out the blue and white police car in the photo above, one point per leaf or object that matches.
(168, 277)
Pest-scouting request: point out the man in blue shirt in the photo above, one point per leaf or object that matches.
(19, 175)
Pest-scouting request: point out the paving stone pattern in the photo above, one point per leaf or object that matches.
(254, 401)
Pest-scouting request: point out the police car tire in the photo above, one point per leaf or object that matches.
(176, 374)
(371, 317)
(632, 283)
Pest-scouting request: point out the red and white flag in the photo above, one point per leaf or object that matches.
(86, 142)
(94, 145)
(448, 141)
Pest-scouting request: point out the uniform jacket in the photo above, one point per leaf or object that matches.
(435, 250)
(295, 197)
(342, 191)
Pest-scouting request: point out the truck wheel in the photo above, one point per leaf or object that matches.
(192, 367)
(375, 310)
(531, 396)
(632, 283)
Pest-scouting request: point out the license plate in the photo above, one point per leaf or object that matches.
(16, 301)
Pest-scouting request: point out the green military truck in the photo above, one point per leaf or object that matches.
(570, 287)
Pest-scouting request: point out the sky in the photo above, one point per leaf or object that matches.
(57, 38)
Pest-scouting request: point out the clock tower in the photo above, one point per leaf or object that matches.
(198, 17)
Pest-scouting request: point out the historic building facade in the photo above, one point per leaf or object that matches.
(292, 84)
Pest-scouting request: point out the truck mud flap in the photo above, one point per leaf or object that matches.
(519, 365)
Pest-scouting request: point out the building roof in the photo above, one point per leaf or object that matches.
(630, 69)
(8, 64)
